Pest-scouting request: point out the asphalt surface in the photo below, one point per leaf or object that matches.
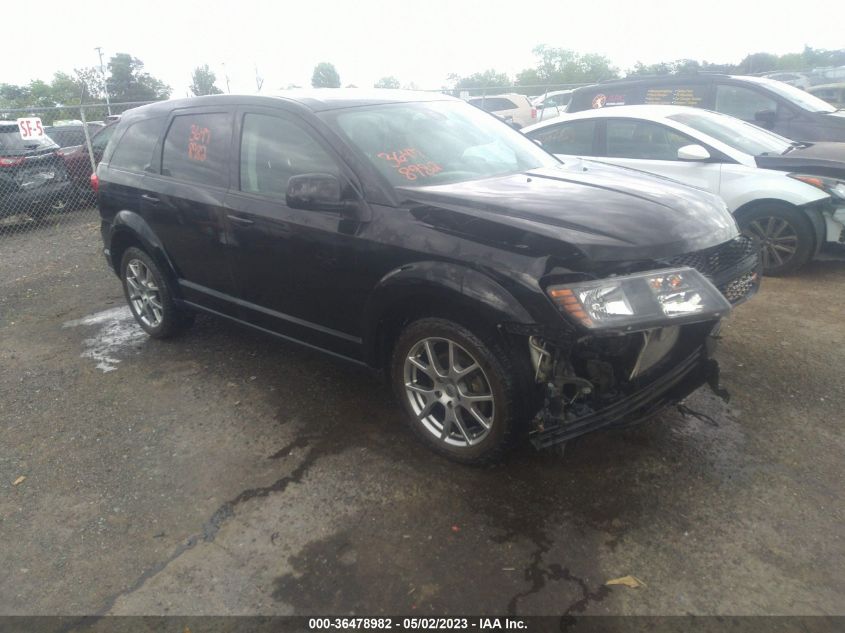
(229, 473)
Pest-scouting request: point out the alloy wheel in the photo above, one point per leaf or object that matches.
(778, 239)
(449, 392)
(144, 293)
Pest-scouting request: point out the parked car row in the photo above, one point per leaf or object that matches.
(774, 105)
(504, 294)
(788, 195)
(813, 115)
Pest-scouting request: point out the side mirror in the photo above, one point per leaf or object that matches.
(766, 118)
(693, 152)
(314, 192)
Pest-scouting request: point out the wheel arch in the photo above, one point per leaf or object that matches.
(436, 289)
(130, 229)
(810, 211)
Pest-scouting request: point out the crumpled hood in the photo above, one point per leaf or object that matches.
(820, 159)
(609, 213)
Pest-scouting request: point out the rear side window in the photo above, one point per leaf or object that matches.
(742, 103)
(196, 148)
(273, 149)
(574, 138)
(102, 138)
(134, 152)
(494, 104)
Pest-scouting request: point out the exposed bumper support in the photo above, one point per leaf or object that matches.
(670, 388)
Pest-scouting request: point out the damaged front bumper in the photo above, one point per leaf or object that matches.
(556, 423)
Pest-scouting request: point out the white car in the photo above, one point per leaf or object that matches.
(776, 194)
(511, 107)
(551, 104)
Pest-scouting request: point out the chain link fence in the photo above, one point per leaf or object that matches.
(47, 156)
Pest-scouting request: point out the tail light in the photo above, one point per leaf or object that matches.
(533, 113)
(95, 183)
(11, 162)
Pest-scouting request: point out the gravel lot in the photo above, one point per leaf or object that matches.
(229, 473)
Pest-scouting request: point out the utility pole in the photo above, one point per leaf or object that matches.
(226, 76)
(99, 50)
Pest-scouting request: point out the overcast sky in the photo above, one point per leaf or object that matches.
(419, 41)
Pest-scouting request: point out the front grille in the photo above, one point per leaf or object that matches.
(731, 266)
(738, 289)
(712, 262)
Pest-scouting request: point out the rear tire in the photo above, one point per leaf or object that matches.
(785, 235)
(150, 296)
(464, 404)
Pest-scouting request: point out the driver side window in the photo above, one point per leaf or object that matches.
(273, 149)
(630, 138)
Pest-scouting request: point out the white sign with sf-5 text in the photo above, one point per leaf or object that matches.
(30, 127)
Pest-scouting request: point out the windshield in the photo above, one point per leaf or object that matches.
(438, 142)
(11, 141)
(735, 133)
(803, 100)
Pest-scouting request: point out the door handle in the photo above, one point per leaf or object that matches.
(149, 198)
(239, 220)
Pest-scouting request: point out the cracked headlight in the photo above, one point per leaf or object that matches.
(641, 301)
(835, 188)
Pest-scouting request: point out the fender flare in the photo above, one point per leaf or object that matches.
(456, 287)
(130, 225)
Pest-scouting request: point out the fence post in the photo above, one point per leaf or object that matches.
(87, 139)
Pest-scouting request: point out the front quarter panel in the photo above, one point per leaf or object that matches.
(741, 185)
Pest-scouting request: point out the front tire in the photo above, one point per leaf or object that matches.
(784, 233)
(459, 391)
(150, 296)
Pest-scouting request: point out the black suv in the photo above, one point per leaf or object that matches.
(33, 177)
(504, 293)
(771, 104)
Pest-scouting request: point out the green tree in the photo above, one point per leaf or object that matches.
(564, 66)
(93, 81)
(202, 82)
(127, 81)
(666, 68)
(487, 79)
(325, 76)
(758, 63)
(387, 82)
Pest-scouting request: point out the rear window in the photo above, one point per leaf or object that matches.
(494, 104)
(134, 152)
(11, 141)
(197, 147)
